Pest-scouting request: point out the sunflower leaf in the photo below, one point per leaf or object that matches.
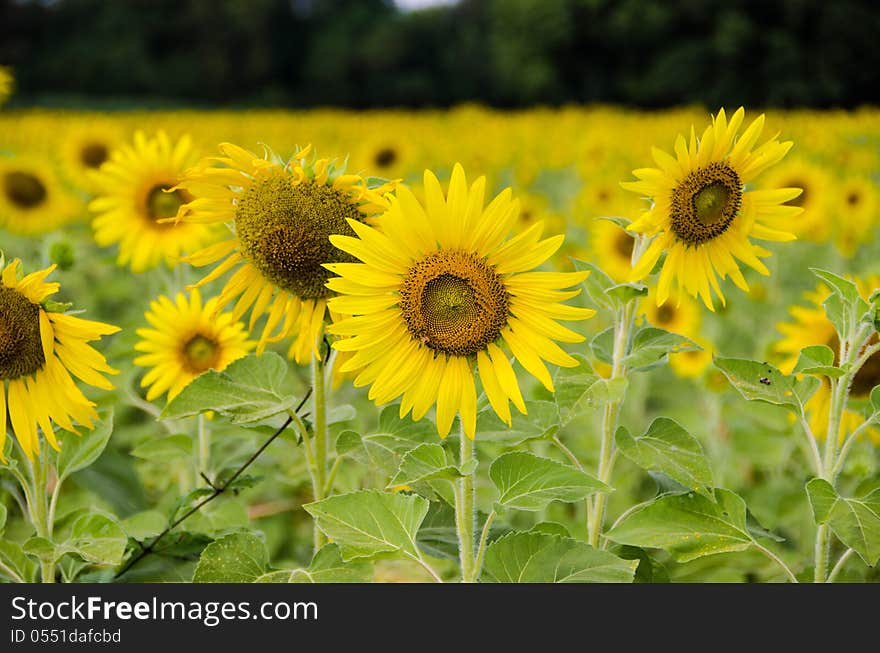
(250, 390)
(856, 522)
(845, 307)
(817, 359)
(597, 285)
(529, 482)
(651, 345)
(80, 451)
(234, 558)
(579, 390)
(757, 381)
(668, 448)
(326, 567)
(427, 462)
(626, 292)
(368, 523)
(536, 557)
(688, 526)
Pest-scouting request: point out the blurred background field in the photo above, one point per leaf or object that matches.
(558, 100)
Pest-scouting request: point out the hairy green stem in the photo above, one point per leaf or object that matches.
(465, 511)
(40, 512)
(319, 421)
(484, 539)
(839, 566)
(775, 558)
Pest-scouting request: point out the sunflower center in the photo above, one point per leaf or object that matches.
(385, 157)
(285, 232)
(23, 189)
(705, 203)
(162, 204)
(200, 353)
(93, 155)
(453, 302)
(801, 199)
(623, 244)
(665, 314)
(21, 349)
(853, 198)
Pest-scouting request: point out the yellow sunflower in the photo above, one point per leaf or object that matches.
(702, 217)
(691, 364)
(816, 185)
(32, 199)
(136, 196)
(188, 338)
(39, 350)
(7, 84)
(283, 214)
(855, 211)
(437, 293)
(83, 149)
(679, 314)
(811, 326)
(612, 247)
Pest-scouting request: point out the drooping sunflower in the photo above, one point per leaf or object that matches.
(283, 214)
(702, 216)
(137, 196)
(187, 338)
(439, 291)
(40, 348)
(811, 326)
(32, 199)
(83, 149)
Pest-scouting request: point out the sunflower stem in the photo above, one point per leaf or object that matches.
(203, 452)
(623, 324)
(319, 420)
(40, 512)
(465, 510)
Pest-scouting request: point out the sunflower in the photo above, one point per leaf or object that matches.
(702, 216)
(283, 214)
(188, 338)
(612, 248)
(32, 199)
(136, 195)
(815, 184)
(855, 210)
(40, 348)
(678, 314)
(692, 363)
(811, 326)
(438, 291)
(7, 84)
(84, 147)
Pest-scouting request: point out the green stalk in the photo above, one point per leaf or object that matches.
(319, 420)
(203, 452)
(596, 514)
(465, 512)
(40, 512)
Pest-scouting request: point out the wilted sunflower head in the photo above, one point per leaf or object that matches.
(283, 214)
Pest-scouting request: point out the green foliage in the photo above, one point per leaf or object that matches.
(855, 521)
(234, 558)
(80, 451)
(668, 448)
(580, 391)
(651, 345)
(251, 390)
(763, 382)
(536, 557)
(528, 482)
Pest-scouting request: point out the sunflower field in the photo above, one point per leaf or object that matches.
(581, 344)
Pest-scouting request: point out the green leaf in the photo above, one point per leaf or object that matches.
(602, 345)
(626, 292)
(144, 525)
(759, 382)
(41, 547)
(437, 535)
(326, 567)
(96, 538)
(234, 558)
(251, 389)
(12, 557)
(541, 421)
(668, 448)
(393, 437)
(80, 451)
(529, 482)
(368, 523)
(596, 285)
(688, 526)
(426, 462)
(579, 390)
(172, 447)
(651, 345)
(856, 522)
(817, 359)
(2, 518)
(845, 306)
(534, 557)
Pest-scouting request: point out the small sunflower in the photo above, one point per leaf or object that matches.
(188, 338)
(612, 248)
(811, 326)
(40, 348)
(32, 199)
(437, 293)
(678, 314)
(283, 214)
(84, 148)
(137, 196)
(815, 184)
(855, 210)
(702, 216)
